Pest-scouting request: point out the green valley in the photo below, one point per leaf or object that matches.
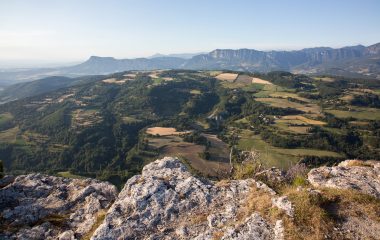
(99, 128)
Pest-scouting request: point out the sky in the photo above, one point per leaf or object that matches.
(65, 31)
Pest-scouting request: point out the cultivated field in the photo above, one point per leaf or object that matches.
(261, 81)
(9, 135)
(230, 77)
(300, 119)
(114, 81)
(156, 75)
(284, 103)
(85, 118)
(173, 145)
(289, 95)
(358, 113)
(164, 131)
(274, 156)
(244, 79)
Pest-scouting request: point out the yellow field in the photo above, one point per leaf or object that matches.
(113, 80)
(164, 131)
(261, 81)
(230, 77)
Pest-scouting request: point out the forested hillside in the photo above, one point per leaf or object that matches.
(105, 128)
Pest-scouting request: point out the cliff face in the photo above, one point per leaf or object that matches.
(253, 60)
(167, 202)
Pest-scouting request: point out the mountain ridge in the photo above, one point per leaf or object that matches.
(349, 61)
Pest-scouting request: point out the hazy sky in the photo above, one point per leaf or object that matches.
(73, 30)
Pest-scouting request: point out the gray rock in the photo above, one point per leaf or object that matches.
(272, 175)
(167, 202)
(53, 207)
(350, 174)
(284, 203)
(67, 235)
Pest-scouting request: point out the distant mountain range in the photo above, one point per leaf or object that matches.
(177, 55)
(353, 61)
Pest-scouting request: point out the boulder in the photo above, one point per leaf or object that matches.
(167, 202)
(363, 176)
(38, 206)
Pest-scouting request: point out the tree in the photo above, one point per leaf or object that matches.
(1, 169)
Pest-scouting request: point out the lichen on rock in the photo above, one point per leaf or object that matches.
(363, 176)
(167, 202)
(37, 206)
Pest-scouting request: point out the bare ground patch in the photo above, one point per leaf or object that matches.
(164, 131)
(230, 77)
(261, 81)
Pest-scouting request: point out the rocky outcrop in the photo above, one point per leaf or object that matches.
(37, 206)
(167, 202)
(350, 174)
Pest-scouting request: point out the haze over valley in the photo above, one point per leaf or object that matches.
(189, 120)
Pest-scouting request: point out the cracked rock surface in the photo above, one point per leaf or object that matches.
(350, 174)
(167, 202)
(37, 206)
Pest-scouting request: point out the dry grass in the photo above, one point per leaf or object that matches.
(9, 135)
(113, 80)
(358, 163)
(353, 203)
(217, 235)
(244, 79)
(316, 215)
(223, 183)
(260, 201)
(303, 119)
(283, 103)
(230, 77)
(243, 171)
(261, 81)
(164, 131)
(311, 220)
(99, 220)
(198, 218)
